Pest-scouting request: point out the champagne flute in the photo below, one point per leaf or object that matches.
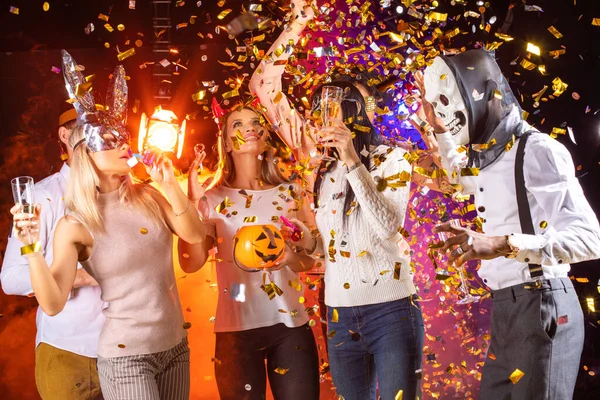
(22, 190)
(466, 296)
(331, 107)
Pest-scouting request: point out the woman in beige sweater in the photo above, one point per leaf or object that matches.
(122, 234)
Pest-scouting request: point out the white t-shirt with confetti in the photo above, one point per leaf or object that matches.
(242, 303)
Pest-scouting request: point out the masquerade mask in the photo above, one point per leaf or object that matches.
(102, 129)
(441, 90)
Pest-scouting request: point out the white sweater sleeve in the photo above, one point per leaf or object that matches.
(384, 210)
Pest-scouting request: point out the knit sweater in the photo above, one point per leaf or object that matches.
(132, 261)
(367, 259)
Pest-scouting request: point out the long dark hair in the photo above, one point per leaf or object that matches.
(354, 116)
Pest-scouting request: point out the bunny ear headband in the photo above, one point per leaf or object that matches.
(103, 129)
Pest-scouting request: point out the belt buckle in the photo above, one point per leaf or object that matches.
(536, 284)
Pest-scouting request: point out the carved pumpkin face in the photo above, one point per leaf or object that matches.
(257, 246)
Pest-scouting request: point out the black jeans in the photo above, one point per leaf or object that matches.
(292, 363)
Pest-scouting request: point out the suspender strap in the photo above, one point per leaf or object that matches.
(523, 204)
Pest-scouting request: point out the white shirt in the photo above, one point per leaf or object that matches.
(242, 304)
(566, 228)
(367, 261)
(77, 327)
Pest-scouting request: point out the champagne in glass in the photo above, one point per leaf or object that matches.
(331, 108)
(331, 105)
(466, 296)
(22, 189)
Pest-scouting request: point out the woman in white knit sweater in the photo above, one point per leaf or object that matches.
(375, 326)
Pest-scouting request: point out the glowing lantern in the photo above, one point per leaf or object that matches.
(161, 130)
(257, 247)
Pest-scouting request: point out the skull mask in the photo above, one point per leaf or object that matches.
(441, 90)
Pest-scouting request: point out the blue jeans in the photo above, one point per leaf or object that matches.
(376, 346)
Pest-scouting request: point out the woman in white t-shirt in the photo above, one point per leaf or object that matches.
(259, 314)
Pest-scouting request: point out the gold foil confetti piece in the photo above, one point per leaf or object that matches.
(312, 323)
(121, 346)
(362, 253)
(505, 37)
(557, 131)
(120, 27)
(558, 86)
(143, 231)
(198, 96)
(46, 6)
(554, 32)
(231, 93)
(399, 395)
(223, 13)
(346, 285)
(301, 300)
(187, 325)
(528, 65)
(272, 290)
(216, 360)
(516, 376)
(281, 371)
(335, 316)
(331, 334)
(220, 208)
(437, 17)
(126, 54)
(469, 172)
(282, 311)
(533, 49)
(543, 224)
(250, 219)
(345, 254)
(397, 268)
(596, 21)
(103, 17)
(108, 27)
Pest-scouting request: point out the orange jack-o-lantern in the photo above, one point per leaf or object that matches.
(257, 246)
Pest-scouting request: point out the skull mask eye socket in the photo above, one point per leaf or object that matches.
(444, 100)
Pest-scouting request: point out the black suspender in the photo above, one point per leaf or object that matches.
(523, 204)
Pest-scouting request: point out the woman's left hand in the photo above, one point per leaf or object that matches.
(340, 137)
(162, 171)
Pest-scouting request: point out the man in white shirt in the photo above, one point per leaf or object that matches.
(66, 344)
(535, 218)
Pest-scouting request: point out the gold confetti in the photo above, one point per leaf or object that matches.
(220, 208)
(558, 86)
(121, 346)
(469, 172)
(516, 376)
(399, 395)
(281, 371)
(528, 65)
(103, 17)
(543, 224)
(108, 27)
(335, 316)
(187, 325)
(46, 6)
(250, 219)
(346, 285)
(120, 27)
(198, 96)
(555, 32)
(596, 21)
(223, 13)
(362, 253)
(143, 231)
(127, 53)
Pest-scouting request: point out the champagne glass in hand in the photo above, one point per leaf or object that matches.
(331, 108)
(22, 190)
(466, 296)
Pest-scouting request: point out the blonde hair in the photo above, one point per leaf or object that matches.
(81, 198)
(225, 170)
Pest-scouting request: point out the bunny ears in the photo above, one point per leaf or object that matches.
(103, 129)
